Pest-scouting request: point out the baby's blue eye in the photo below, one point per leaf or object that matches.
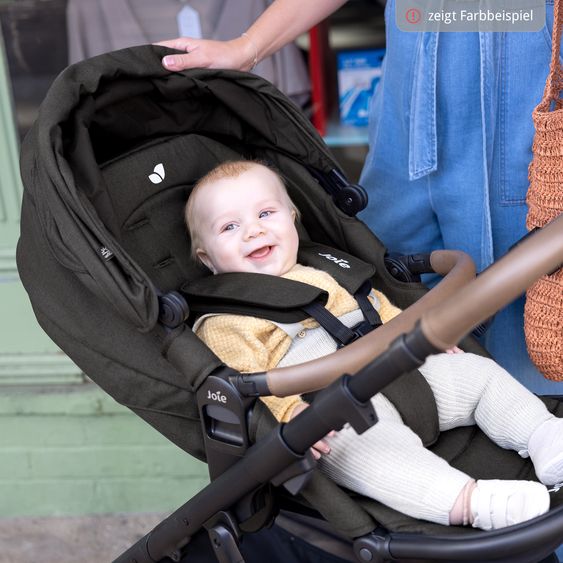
(229, 227)
(264, 214)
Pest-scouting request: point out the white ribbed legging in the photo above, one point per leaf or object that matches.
(389, 463)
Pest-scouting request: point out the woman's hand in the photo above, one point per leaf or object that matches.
(280, 23)
(321, 447)
(237, 54)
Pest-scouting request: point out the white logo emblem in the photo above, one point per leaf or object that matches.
(340, 261)
(158, 174)
(106, 253)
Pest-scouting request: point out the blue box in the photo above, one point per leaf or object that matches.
(358, 74)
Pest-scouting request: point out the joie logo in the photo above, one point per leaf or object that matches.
(218, 396)
(340, 261)
(106, 253)
(158, 174)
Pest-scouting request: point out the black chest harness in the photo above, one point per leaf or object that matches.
(288, 301)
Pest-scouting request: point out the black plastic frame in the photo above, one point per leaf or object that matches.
(289, 443)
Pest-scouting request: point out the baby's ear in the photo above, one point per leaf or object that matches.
(204, 258)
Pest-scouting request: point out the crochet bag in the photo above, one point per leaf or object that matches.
(543, 312)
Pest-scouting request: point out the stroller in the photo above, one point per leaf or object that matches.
(104, 256)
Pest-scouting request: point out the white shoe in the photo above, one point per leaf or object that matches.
(546, 451)
(497, 504)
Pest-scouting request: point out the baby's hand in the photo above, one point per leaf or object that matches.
(454, 350)
(321, 447)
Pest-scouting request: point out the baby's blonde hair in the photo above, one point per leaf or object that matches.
(228, 169)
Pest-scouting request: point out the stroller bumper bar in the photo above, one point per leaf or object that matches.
(458, 269)
(251, 385)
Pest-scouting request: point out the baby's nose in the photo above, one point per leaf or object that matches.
(254, 230)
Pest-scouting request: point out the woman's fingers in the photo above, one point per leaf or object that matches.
(204, 53)
(182, 62)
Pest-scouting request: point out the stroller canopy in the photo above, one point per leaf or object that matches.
(96, 113)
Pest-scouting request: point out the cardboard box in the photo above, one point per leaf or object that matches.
(358, 74)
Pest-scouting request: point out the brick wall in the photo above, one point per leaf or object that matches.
(73, 450)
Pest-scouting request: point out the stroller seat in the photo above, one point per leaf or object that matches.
(103, 254)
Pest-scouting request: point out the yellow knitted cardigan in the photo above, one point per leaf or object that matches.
(250, 344)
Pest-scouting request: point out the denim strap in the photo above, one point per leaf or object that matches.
(423, 154)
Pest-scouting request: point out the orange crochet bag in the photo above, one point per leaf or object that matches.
(543, 311)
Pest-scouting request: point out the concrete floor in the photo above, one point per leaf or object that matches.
(85, 539)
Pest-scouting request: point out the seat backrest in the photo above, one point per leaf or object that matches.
(142, 193)
(145, 194)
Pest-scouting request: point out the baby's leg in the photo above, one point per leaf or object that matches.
(471, 389)
(389, 463)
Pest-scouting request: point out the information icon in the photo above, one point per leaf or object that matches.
(413, 15)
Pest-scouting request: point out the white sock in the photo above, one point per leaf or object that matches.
(545, 447)
(497, 504)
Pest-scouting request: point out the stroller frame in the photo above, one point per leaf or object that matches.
(64, 237)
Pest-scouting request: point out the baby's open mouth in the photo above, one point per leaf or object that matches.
(261, 252)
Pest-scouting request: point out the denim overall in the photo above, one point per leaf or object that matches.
(450, 142)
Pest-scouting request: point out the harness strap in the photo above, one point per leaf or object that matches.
(369, 312)
(337, 329)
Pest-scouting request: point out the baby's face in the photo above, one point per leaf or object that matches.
(246, 224)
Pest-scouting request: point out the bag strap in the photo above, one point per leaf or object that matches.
(554, 83)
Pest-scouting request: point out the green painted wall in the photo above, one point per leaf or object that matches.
(66, 448)
(73, 450)
(27, 355)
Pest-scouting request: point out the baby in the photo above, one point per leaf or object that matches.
(241, 219)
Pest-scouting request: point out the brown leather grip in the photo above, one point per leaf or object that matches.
(458, 269)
